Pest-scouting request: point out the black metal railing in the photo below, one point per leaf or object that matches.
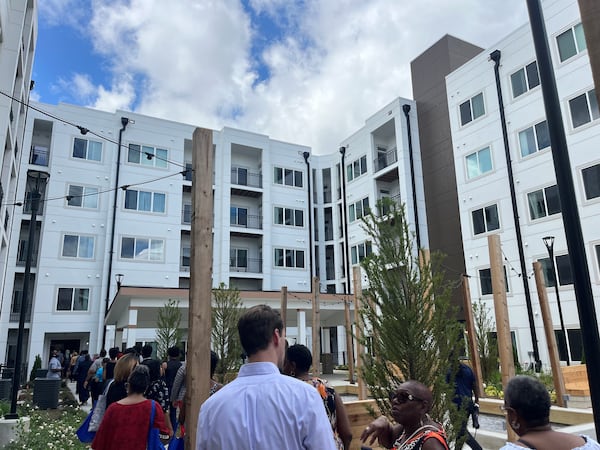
(39, 155)
(251, 265)
(186, 214)
(243, 177)
(385, 159)
(247, 221)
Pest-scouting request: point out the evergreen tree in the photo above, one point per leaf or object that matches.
(168, 331)
(226, 312)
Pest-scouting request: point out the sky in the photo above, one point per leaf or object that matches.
(308, 72)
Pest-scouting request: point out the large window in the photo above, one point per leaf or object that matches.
(73, 299)
(146, 155)
(584, 108)
(359, 209)
(82, 196)
(238, 216)
(288, 216)
(543, 202)
(287, 177)
(485, 281)
(360, 251)
(525, 79)
(87, 149)
(145, 201)
(472, 109)
(479, 163)
(485, 219)
(238, 259)
(357, 168)
(563, 267)
(534, 139)
(142, 249)
(571, 42)
(591, 181)
(285, 257)
(75, 246)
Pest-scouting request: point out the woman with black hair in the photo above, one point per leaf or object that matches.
(298, 360)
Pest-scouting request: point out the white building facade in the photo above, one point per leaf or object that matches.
(483, 179)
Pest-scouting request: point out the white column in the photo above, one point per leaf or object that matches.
(325, 340)
(341, 344)
(301, 327)
(131, 327)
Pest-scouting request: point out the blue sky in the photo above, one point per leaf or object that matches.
(305, 71)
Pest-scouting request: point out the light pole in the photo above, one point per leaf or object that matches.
(549, 243)
(35, 182)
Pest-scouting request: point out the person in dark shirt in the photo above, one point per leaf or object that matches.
(109, 369)
(118, 389)
(171, 367)
(465, 390)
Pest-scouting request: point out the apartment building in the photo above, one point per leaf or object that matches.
(483, 180)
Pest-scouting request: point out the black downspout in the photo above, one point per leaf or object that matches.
(495, 56)
(310, 214)
(345, 218)
(406, 109)
(124, 122)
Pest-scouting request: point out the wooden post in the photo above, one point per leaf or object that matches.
(557, 376)
(316, 329)
(356, 279)
(198, 354)
(507, 363)
(472, 336)
(349, 345)
(284, 295)
(590, 17)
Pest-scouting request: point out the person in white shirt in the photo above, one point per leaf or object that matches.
(263, 409)
(54, 366)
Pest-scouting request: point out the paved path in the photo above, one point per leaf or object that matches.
(87, 408)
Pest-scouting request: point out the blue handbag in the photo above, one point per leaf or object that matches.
(177, 443)
(154, 442)
(83, 432)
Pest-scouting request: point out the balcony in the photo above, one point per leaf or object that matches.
(15, 310)
(186, 214)
(22, 254)
(242, 177)
(250, 265)
(385, 159)
(39, 155)
(246, 221)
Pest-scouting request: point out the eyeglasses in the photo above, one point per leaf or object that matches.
(403, 397)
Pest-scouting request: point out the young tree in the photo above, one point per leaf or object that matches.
(407, 309)
(168, 331)
(225, 339)
(487, 346)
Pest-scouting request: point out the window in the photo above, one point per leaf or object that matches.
(359, 209)
(534, 139)
(357, 168)
(87, 149)
(73, 299)
(472, 109)
(485, 219)
(288, 216)
(485, 281)
(591, 181)
(238, 216)
(290, 258)
(563, 267)
(525, 79)
(238, 258)
(543, 202)
(287, 177)
(584, 108)
(360, 251)
(75, 246)
(145, 201)
(479, 163)
(571, 42)
(82, 196)
(142, 249)
(148, 156)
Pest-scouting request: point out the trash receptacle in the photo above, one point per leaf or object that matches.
(327, 363)
(40, 373)
(45, 393)
(5, 388)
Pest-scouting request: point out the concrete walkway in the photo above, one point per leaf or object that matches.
(88, 407)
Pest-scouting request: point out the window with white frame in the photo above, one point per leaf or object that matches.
(142, 249)
(571, 42)
(563, 267)
(359, 209)
(73, 299)
(357, 168)
(289, 258)
(287, 177)
(485, 281)
(360, 251)
(76, 246)
(147, 155)
(591, 181)
(525, 79)
(543, 202)
(479, 162)
(288, 216)
(82, 196)
(238, 258)
(238, 216)
(485, 219)
(87, 149)
(145, 201)
(584, 108)
(472, 109)
(534, 139)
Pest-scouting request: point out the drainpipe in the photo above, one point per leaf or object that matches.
(406, 109)
(345, 219)
(124, 123)
(310, 214)
(495, 56)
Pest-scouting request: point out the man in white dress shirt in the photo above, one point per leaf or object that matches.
(263, 409)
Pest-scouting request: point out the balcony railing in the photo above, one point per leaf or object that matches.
(385, 209)
(251, 265)
(186, 214)
(22, 254)
(247, 221)
(385, 159)
(243, 177)
(39, 155)
(15, 310)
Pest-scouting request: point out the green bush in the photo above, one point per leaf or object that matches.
(37, 364)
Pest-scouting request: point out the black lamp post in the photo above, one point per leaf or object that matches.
(549, 243)
(119, 279)
(36, 181)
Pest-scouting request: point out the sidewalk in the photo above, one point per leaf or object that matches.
(87, 408)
